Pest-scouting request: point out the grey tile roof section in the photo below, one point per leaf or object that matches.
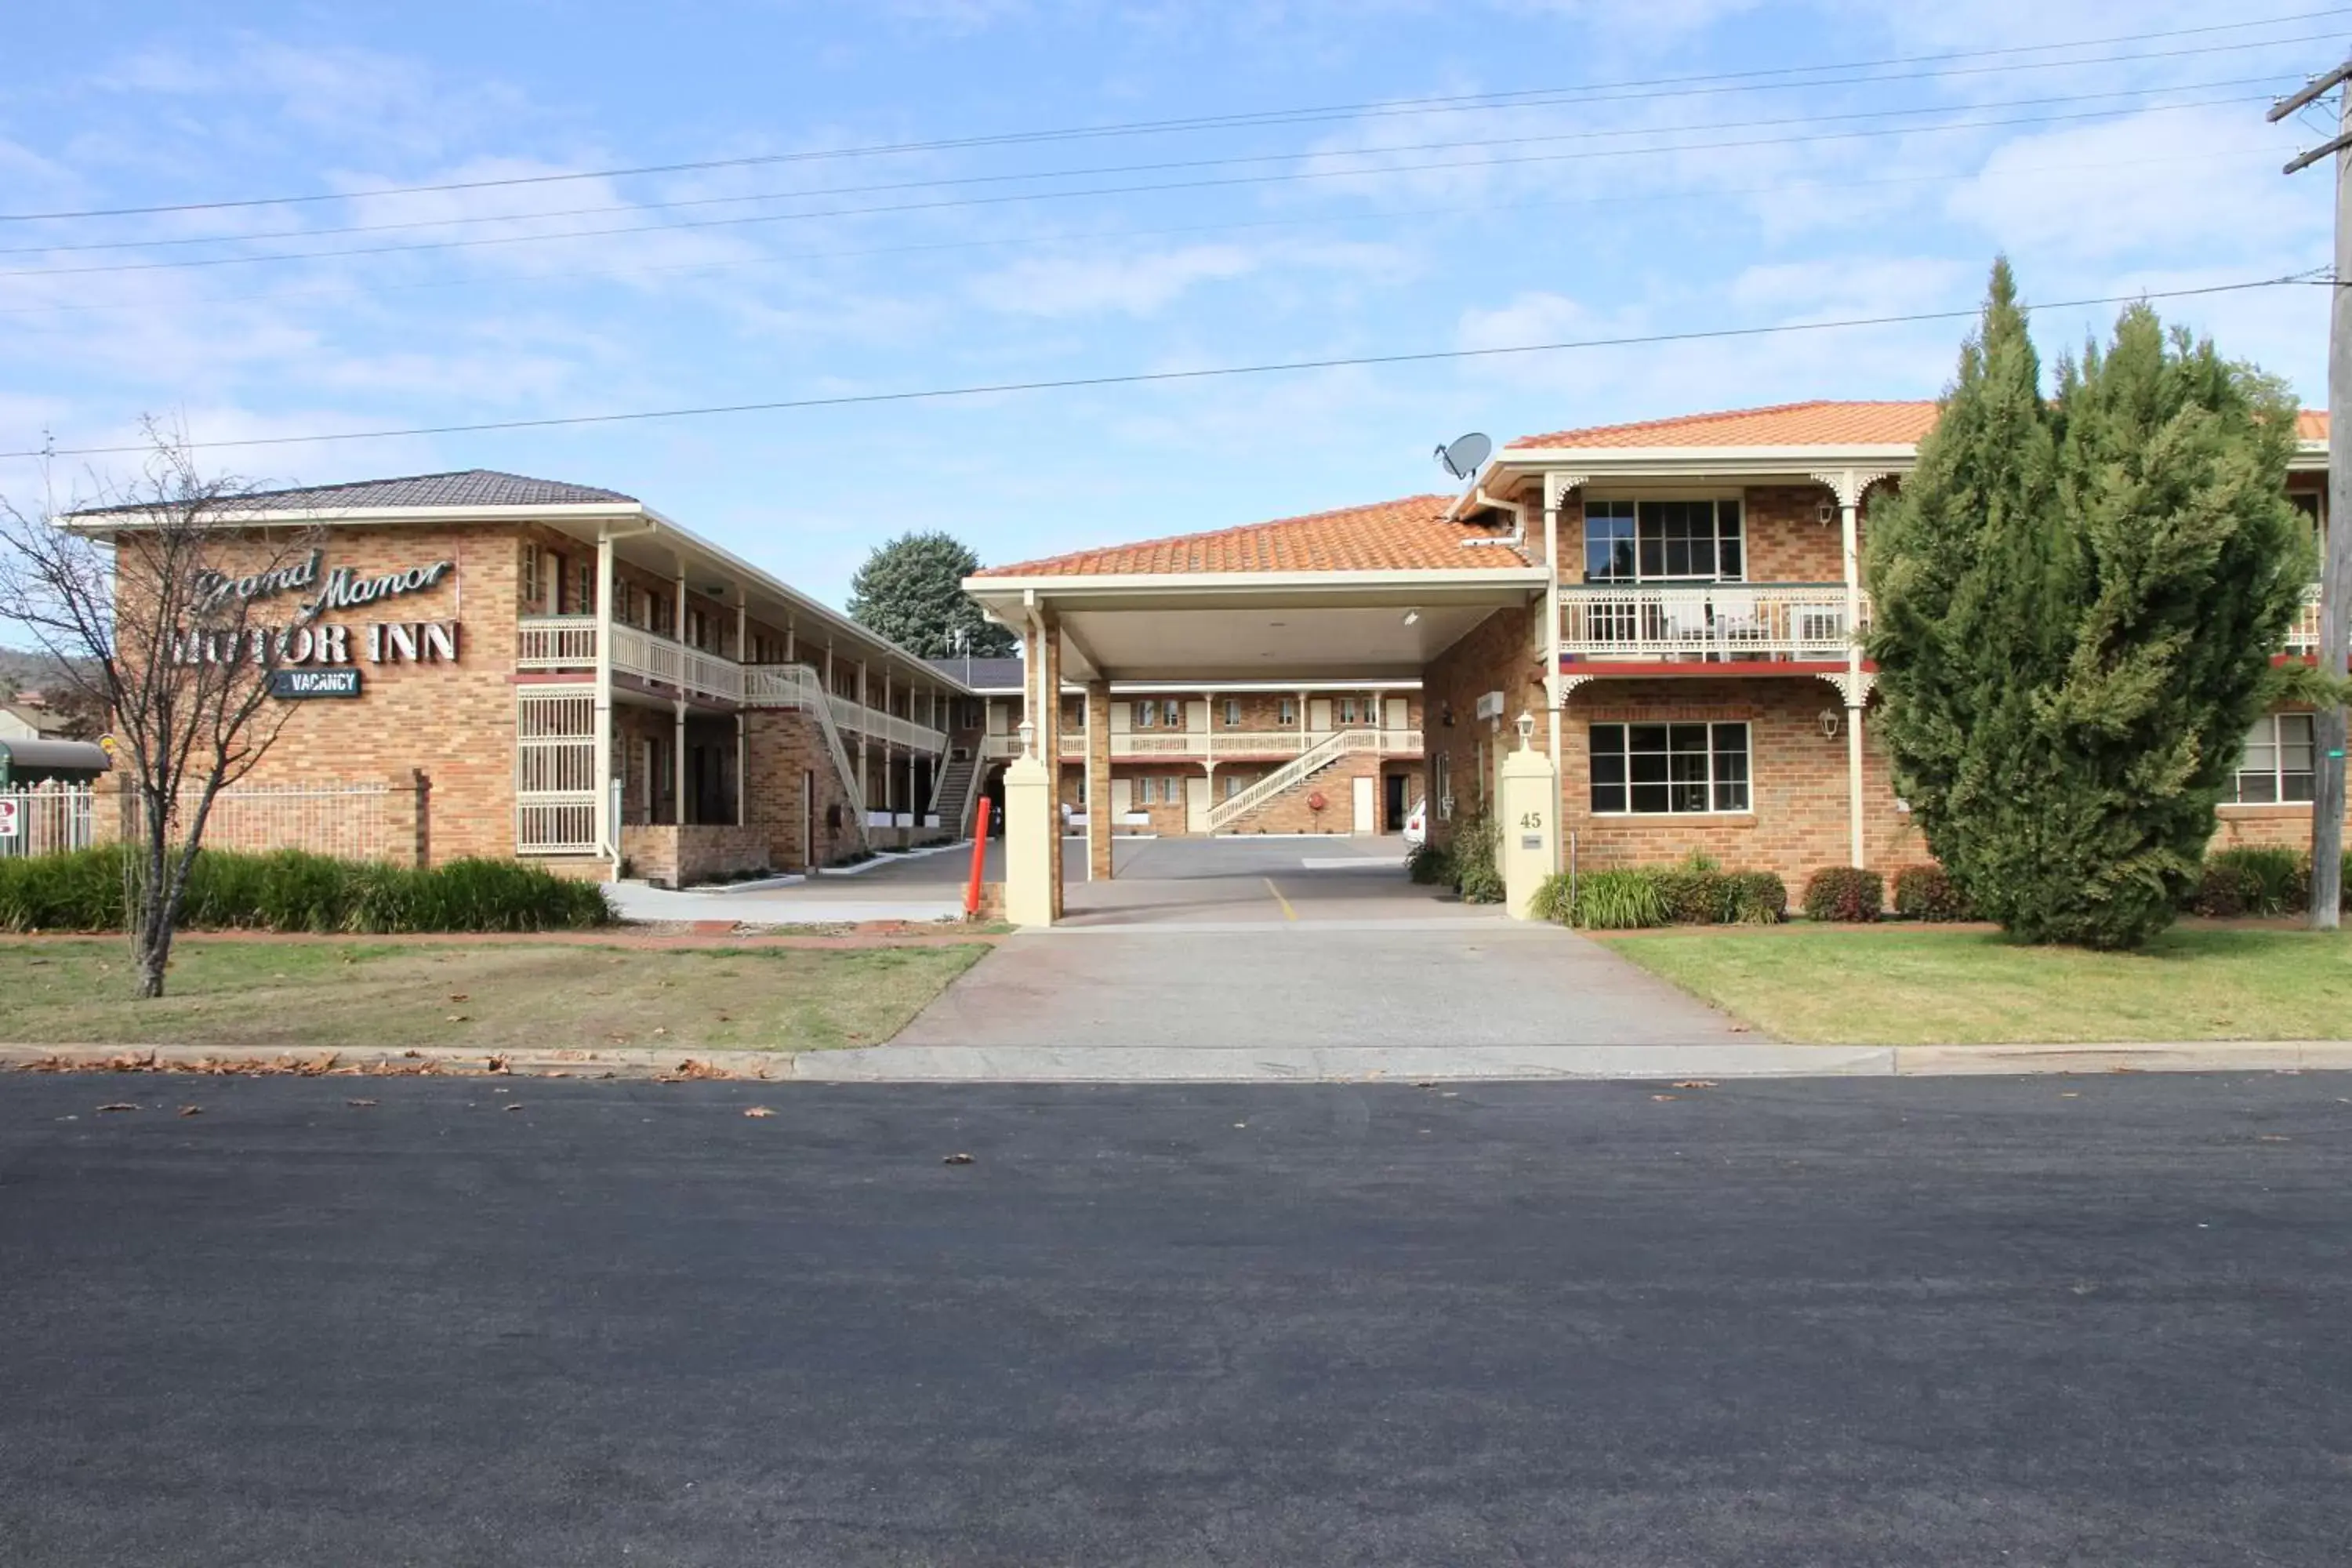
(465, 487)
(987, 674)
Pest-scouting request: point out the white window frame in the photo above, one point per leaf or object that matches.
(1289, 710)
(1233, 712)
(1737, 534)
(2270, 732)
(1713, 784)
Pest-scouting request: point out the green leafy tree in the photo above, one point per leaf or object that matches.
(911, 591)
(2078, 601)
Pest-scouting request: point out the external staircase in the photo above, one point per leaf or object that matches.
(959, 787)
(1297, 770)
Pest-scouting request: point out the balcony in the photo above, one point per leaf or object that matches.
(1209, 745)
(2303, 636)
(1798, 622)
(568, 642)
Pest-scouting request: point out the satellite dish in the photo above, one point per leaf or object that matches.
(1462, 458)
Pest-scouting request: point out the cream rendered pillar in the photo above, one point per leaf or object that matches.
(1032, 824)
(608, 829)
(1528, 809)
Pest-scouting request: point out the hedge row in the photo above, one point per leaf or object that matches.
(1694, 893)
(2258, 881)
(291, 891)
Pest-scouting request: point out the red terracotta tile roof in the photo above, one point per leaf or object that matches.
(1815, 423)
(1387, 536)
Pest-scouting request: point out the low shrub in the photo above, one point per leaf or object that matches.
(1844, 893)
(1429, 866)
(1623, 900)
(288, 890)
(1927, 893)
(1755, 899)
(1476, 875)
(2253, 879)
(1697, 892)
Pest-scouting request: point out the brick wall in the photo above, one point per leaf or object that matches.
(676, 857)
(452, 722)
(1785, 540)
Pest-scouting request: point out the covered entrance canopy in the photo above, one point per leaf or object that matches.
(1370, 593)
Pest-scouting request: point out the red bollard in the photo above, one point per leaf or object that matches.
(979, 858)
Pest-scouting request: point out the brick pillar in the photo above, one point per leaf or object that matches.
(1099, 816)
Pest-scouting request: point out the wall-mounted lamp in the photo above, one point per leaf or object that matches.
(1825, 514)
(1445, 715)
(1526, 725)
(1028, 738)
(1832, 720)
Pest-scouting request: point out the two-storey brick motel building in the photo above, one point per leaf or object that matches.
(1675, 603)
(562, 672)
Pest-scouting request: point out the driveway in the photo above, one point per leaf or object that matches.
(1244, 944)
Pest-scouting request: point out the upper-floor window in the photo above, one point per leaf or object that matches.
(2276, 766)
(1290, 711)
(1630, 540)
(1153, 712)
(534, 595)
(1233, 713)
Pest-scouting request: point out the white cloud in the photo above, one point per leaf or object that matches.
(1132, 285)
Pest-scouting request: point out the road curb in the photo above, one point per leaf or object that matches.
(411, 1061)
(1266, 1064)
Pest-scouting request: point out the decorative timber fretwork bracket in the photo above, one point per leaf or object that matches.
(1854, 686)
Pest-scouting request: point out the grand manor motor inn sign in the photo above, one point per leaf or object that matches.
(306, 639)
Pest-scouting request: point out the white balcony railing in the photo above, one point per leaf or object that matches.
(1219, 744)
(568, 642)
(1730, 621)
(2303, 637)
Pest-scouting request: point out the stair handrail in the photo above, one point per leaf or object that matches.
(971, 793)
(809, 693)
(1313, 759)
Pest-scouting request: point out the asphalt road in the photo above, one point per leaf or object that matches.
(2051, 1320)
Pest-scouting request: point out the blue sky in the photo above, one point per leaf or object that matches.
(1369, 226)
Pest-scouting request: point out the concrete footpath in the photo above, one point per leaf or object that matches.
(1209, 1064)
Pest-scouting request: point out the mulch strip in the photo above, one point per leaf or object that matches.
(678, 935)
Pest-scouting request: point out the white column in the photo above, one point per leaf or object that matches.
(678, 768)
(608, 832)
(1848, 485)
(1556, 489)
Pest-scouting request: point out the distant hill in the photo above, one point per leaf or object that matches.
(28, 669)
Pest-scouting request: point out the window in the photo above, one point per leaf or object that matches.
(1233, 713)
(1290, 711)
(1669, 769)
(1348, 711)
(1441, 777)
(1147, 715)
(585, 587)
(1171, 713)
(533, 593)
(2276, 767)
(1628, 542)
(1233, 785)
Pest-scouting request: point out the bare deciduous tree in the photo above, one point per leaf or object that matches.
(152, 598)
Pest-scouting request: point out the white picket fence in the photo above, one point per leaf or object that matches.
(45, 821)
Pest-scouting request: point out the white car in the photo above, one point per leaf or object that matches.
(1416, 825)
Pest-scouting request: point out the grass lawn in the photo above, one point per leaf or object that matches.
(1922, 985)
(327, 996)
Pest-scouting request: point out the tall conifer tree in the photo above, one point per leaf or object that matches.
(2077, 604)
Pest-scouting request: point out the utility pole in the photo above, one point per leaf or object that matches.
(2327, 728)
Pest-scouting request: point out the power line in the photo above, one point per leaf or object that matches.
(1452, 104)
(1296, 176)
(1642, 197)
(949, 182)
(1138, 378)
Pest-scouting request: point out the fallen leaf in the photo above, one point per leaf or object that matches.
(191, 1110)
(659, 1030)
(456, 1018)
(496, 1064)
(2070, 1094)
(119, 1105)
(1661, 1097)
(2270, 1138)
(516, 1105)
(951, 1160)
(1694, 1083)
(757, 1111)
(456, 995)
(359, 1102)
